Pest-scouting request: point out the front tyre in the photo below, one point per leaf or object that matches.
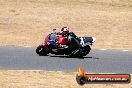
(41, 50)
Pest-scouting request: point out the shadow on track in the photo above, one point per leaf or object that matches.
(61, 56)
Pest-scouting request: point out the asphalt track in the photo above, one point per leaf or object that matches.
(98, 61)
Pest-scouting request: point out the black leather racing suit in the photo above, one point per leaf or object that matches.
(73, 40)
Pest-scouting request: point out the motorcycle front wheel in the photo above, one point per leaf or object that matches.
(41, 50)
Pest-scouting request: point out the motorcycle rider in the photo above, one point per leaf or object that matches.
(73, 40)
(65, 32)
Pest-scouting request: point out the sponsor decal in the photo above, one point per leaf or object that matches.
(83, 78)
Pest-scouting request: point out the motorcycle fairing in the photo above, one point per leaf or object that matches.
(87, 40)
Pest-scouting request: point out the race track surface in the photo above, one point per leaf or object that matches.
(98, 61)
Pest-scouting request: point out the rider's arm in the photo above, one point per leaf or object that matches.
(72, 34)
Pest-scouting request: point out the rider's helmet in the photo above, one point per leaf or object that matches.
(65, 30)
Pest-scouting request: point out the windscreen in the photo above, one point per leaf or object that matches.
(53, 37)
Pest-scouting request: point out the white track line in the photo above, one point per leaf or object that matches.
(14, 46)
(27, 46)
(125, 50)
(103, 49)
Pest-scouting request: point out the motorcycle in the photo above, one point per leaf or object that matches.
(62, 45)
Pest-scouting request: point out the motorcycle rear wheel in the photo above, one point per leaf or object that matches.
(86, 50)
(81, 52)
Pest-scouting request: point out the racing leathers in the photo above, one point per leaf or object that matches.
(73, 40)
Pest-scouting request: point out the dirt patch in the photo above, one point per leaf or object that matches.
(26, 22)
(44, 79)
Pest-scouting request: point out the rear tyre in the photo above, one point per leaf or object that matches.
(41, 50)
(86, 50)
(80, 52)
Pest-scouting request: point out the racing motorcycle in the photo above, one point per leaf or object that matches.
(62, 45)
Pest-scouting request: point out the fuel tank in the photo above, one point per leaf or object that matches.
(62, 40)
